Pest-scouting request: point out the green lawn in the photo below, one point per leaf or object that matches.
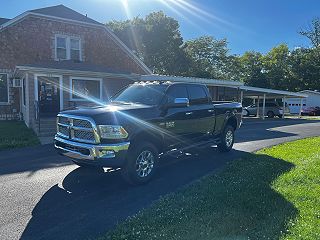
(15, 134)
(272, 194)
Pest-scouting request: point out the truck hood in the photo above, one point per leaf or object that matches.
(115, 113)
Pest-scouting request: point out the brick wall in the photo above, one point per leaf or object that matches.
(32, 40)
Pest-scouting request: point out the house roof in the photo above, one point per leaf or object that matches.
(62, 11)
(4, 20)
(69, 66)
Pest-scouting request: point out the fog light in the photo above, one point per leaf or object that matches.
(107, 153)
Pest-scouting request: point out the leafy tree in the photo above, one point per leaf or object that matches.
(207, 57)
(156, 39)
(130, 32)
(313, 32)
(276, 68)
(305, 69)
(252, 69)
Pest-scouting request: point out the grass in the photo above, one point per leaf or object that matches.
(14, 134)
(272, 194)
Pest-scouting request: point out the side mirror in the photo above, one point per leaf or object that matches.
(179, 102)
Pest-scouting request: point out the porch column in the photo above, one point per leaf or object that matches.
(264, 106)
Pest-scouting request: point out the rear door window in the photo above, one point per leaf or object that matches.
(197, 95)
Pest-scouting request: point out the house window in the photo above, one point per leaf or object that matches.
(61, 48)
(75, 49)
(68, 48)
(85, 89)
(4, 88)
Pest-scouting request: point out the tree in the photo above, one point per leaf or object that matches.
(276, 68)
(252, 70)
(156, 39)
(207, 57)
(313, 32)
(305, 69)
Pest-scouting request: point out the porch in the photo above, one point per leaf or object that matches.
(48, 89)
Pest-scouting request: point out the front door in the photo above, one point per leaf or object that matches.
(49, 96)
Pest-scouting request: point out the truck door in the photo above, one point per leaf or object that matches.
(201, 113)
(176, 120)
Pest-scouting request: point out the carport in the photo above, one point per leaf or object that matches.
(227, 90)
(258, 94)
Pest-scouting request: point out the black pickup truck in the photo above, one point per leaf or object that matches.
(143, 122)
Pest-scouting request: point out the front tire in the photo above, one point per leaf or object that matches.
(227, 139)
(142, 162)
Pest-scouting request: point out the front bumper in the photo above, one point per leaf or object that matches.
(105, 155)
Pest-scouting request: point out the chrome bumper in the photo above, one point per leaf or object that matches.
(84, 151)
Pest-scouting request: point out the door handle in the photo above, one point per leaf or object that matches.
(189, 113)
(211, 110)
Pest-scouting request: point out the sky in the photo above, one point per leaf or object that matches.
(248, 25)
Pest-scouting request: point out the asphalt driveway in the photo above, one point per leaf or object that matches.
(44, 196)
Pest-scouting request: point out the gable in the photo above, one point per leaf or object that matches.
(66, 15)
(62, 11)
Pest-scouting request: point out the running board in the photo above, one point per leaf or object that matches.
(178, 152)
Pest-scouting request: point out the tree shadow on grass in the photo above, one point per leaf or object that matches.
(240, 203)
(237, 202)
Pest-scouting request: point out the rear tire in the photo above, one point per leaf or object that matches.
(270, 114)
(227, 139)
(142, 162)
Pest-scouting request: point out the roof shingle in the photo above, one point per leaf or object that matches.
(4, 20)
(64, 12)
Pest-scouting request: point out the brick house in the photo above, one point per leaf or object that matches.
(55, 58)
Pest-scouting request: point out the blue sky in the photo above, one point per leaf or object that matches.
(247, 24)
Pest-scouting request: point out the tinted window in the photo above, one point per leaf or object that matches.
(177, 91)
(139, 93)
(197, 95)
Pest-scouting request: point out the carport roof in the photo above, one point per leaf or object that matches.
(270, 93)
(206, 81)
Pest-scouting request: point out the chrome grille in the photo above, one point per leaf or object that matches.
(79, 134)
(63, 130)
(76, 128)
(81, 123)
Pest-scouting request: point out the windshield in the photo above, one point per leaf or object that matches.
(143, 94)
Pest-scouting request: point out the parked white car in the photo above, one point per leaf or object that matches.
(272, 109)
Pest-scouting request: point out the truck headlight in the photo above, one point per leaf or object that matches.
(112, 132)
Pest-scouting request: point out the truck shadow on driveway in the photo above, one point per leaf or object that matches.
(89, 203)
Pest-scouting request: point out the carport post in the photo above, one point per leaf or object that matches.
(284, 106)
(241, 97)
(264, 106)
(258, 107)
(300, 108)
